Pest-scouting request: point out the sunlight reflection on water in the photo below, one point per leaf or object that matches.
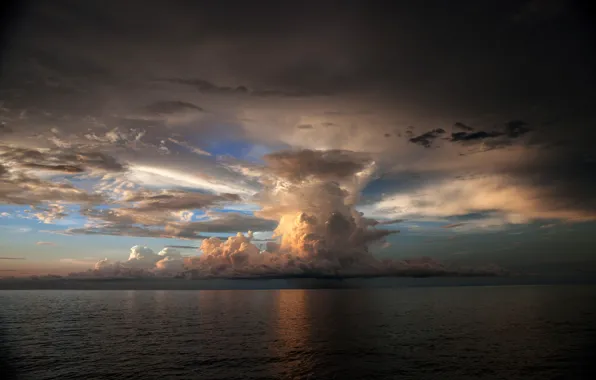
(473, 332)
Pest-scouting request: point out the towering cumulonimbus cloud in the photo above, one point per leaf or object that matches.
(312, 195)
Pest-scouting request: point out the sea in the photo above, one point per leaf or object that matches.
(444, 332)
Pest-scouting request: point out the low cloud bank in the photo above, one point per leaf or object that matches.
(142, 261)
(238, 257)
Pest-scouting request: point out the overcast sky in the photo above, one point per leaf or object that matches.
(478, 116)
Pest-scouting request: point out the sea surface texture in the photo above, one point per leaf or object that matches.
(476, 332)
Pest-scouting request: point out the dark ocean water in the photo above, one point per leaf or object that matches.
(502, 332)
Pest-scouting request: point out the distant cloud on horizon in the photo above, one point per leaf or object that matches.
(46, 243)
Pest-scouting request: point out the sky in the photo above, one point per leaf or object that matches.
(443, 135)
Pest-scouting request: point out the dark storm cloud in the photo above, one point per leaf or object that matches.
(537, 11)
(4, 128)
(516, 128)
(462, 126)
(206, 87)
(232, 48)
(426, 139)
(473, 136)
(563, 174)
(171, 107)
(511, 130)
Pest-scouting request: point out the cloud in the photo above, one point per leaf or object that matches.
(462, 126)
(373, 222)
(502, 200)
(171, 107)
(473, 136)
(167, 213)
(313, 216)
(113, 223)
(560, 175)
(24, 190)
(516, 128)
(358, 82)
(176, 200)
(50, 213)
(329, 165)
(70, 169)
(12, 258)
(207, 87)
(191, 148)
(131, 138)
(170, 265)
(426, 139)
(237, 257)
(246, 169)
(312, 199)
(499, 138)
(175, 174)
(119, 230)
(67, 161)
(50, 243)
(229, 222)
(453, 225)
(536, 11)
(80, 262)
(142, 261)
(4, 128)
